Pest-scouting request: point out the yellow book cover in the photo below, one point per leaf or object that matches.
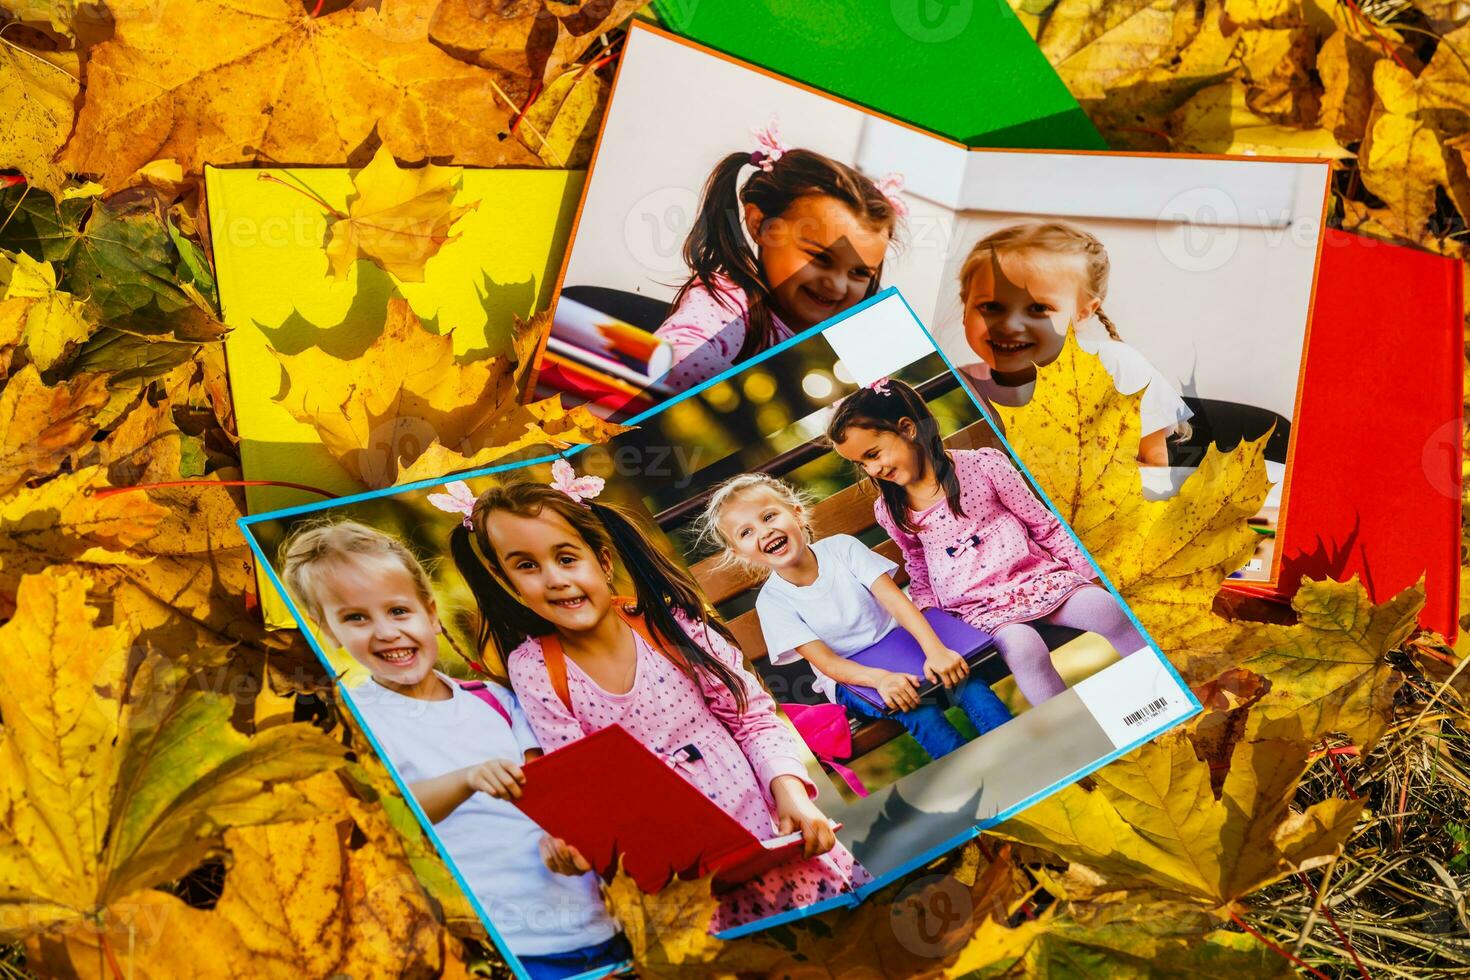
(277, 293)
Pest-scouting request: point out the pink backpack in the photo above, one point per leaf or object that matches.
(824, 729)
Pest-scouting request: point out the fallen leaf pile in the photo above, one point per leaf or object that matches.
(173, 776)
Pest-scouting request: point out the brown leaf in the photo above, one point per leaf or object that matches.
(533, 39)
(1346, 67)
(262, 80)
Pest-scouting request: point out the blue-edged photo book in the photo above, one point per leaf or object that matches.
(576, 533)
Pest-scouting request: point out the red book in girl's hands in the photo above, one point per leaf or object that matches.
(607, 795)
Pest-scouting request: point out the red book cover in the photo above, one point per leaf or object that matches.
(1374, 485)
(662, 828)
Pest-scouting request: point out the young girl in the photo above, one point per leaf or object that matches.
(545, 590)
(974, 538)
(821, 231)
(458, 746)
(826, 600)
(1020, 287)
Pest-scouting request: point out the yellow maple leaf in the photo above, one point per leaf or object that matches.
(1404, 159)
(397, 218)
(263, 80)
(1330, 671)
(115, 778)
(52, 323)
(300, 899)
(40, 425)
(1345, 65)
(1218, 120)
(37, 91)
(1079, 438)
(1151, 826)
(64, 520)
(1057, 946)
(406, 409)
(561, 125)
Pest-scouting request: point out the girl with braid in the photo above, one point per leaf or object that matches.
(1020, 288)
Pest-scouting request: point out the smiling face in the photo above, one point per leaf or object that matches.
(1017, 309)
(372, 607)
(883, 455)
(553, 569)
(818, 257)
(761, 528)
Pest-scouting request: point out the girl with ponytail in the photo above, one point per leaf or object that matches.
(541, 562)
(821, 230)
(1021, 287)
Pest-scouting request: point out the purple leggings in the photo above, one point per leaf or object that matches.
(1091, 608)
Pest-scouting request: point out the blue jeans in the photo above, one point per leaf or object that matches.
(556, 966)
(927, 724)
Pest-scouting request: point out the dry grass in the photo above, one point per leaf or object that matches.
(1395, 902)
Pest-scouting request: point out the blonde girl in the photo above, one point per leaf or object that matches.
(1020, 288)
(541, 561)
(825, 600)
(458, 746)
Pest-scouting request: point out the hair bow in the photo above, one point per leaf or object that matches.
(880, 386)
(579, 488)
(459, 500)
(769, 146)
(889, 185)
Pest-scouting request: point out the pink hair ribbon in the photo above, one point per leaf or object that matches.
(459, 500)
(890, 184)
(579, 488)
(769, 146)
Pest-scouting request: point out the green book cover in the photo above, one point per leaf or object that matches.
(965, 69)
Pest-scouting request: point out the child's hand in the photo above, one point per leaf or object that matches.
(562, 858)
(795, 811)
(501, 778)
(945, 667)
(899, 691)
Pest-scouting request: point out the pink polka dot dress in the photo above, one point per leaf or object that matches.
(740, 754)
(1007, 560)
(706, 331)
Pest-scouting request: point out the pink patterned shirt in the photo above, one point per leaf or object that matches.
(741, 754)
(1007, 560)
(706, 331)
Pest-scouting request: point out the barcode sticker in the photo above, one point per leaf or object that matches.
(1145, 712)
(1135, 698)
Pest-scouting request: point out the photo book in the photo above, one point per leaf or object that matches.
(684, 620)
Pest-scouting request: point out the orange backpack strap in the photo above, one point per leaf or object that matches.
(556, 658)
(556, 668)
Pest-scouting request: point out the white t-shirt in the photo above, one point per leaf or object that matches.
(495, 846)
(1162, 407)
(838, 608)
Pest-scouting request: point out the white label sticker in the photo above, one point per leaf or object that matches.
(1135, 697)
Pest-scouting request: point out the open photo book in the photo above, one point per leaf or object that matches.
(669, 620)
(772, 207)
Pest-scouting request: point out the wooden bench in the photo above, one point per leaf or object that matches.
(847, 512)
